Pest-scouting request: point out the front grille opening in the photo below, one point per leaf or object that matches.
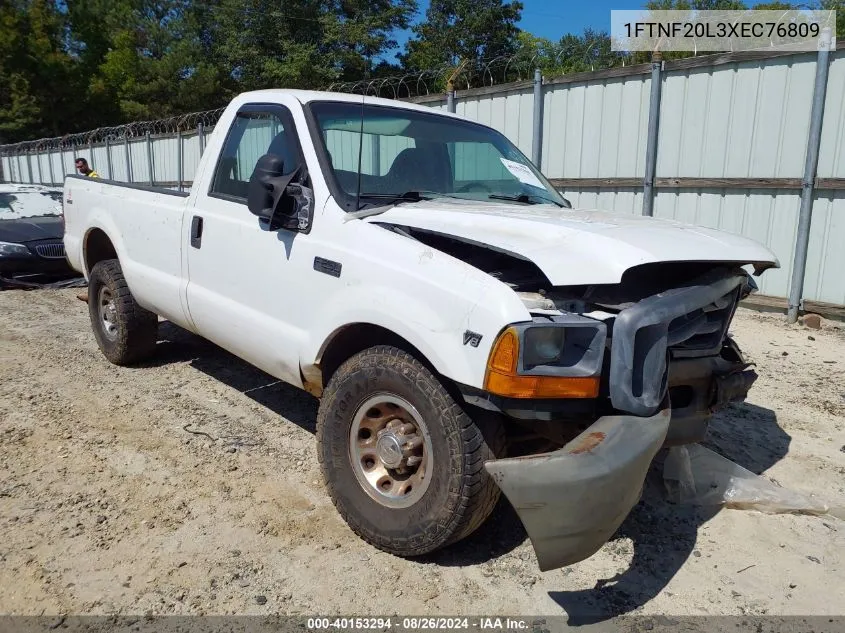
(704, 329)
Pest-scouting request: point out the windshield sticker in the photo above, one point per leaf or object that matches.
(522, 173)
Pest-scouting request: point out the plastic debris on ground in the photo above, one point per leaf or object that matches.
(695, 475)
(23, 284)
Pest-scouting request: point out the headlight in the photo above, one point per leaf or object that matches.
(543, 346)
(536, 360)
(8, 248)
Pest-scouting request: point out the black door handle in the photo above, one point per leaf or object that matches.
(196, 232)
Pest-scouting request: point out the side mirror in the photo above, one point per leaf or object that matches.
(276, 200)
(266, 186)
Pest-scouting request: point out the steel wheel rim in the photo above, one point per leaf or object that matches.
(390, 450)
(107, 309)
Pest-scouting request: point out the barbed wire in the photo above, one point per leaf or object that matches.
(502, 69)
(497, 71)
(116, 133)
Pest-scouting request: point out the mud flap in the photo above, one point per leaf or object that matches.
(572, 500)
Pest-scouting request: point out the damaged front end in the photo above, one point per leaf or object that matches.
(666, 364)
(634, 353)
(572, 500)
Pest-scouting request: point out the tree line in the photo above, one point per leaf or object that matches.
(73, 65)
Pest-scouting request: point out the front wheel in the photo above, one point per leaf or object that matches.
(403, 462)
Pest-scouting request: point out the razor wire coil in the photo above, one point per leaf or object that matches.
(422, 83)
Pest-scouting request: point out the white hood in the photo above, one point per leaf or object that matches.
(576, 246)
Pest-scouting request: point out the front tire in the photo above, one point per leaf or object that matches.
(126, 333)
(402, 461)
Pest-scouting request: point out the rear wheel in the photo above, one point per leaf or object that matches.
(126, 333)
(403, 462)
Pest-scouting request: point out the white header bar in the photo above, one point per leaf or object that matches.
(717, 31)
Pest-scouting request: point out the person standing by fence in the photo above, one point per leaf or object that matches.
(83, 168)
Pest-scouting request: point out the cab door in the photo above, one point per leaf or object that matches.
(245, 281)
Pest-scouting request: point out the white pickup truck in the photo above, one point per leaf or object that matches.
(466, 330)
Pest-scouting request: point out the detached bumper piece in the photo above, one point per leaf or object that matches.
(571, 501)
(733, 387)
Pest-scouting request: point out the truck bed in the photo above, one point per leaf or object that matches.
(144, 225)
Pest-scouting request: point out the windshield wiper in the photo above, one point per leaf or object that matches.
(524, 197)
(396, 198)
(408, 196)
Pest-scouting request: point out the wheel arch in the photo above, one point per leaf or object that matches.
(97, 247)
(348, 340)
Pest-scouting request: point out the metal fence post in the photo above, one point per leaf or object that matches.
(653, 125)
(38, 165)
(201, 136)
(128, 157)
(450, 101)
(179, 157)
(20, 170)
(537, 139)
(108, 158)
(29, 167)
(150, 159)
(50, 165)
(90, 154)
(802, 242)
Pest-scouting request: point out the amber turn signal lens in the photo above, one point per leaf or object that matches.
(505, 353)
(541, 386)
(501, 377)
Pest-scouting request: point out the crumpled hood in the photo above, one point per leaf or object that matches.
(576, 246)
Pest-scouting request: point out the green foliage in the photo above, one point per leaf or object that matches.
(839, 7)
(466, 30)
(303, 44)
(571, 54)
(154, 65)
(33, 64)
(73, 65)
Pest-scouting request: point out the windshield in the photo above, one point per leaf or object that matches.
(407, 156)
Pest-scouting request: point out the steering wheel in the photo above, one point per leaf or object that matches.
(474, 186)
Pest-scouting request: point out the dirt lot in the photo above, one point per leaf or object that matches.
(111, 503)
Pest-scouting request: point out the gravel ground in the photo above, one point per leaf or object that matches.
(191, 485)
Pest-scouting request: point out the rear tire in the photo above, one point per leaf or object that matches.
(126, 333)
(402, 461)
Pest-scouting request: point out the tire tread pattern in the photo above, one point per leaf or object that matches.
(138, 327)
(473, 498)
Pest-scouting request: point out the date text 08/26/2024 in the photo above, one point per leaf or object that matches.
(418, 623)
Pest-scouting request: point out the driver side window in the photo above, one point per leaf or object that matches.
(253, 134)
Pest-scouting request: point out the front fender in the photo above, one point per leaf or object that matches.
(435, 328)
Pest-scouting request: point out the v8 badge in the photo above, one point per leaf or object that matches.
(472, 338)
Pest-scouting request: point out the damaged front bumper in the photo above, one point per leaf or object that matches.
(572, 500)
